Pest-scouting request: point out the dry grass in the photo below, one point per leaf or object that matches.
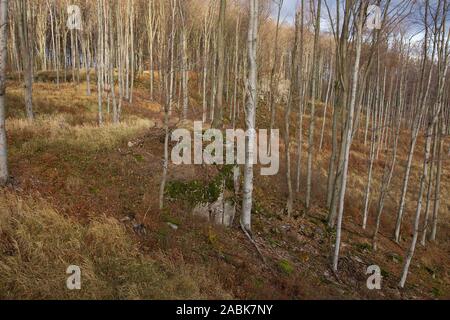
(38, 244)
(55, 129)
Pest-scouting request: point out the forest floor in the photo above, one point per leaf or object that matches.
(87, 195)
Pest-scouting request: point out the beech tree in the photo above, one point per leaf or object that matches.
(441, 40)
(348, 130)
(273, 73)
(287, 114)
(218, 107)
(26, 51)
(424, 85)
(167, 64)
(314, 80)
(3, 58)
(250, 108)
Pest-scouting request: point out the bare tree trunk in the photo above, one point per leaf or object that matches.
(58, 47)
(325, 107)
(218, 108)
(405, 186)
(72, 54)
(236, 72)
(151, 36)
(100, 63)
(172, 58)
(207, 26)
(14, 43)
(247, 191)
(387, 177)
(287, 114)
(430, 187)
(132, 62)
(348, 135)
(167, 81)
(112, 83)
(26, 53)
(443, 50)
(184, 64)
(302, 82)
(127, 51)
(424, 176)
(417, 119)
(213, 79)
(437, 190)
(52, 30)
(373, 142)
(341, 99)
(272, 88)
(334, 147)
(315, 76)
(373, 145)
(205, 69)
(3, 57)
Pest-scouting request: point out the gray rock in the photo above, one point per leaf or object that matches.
(220, 212)
(173, 226)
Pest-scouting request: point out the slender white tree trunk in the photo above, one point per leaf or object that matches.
(302, 83)
(414, 135)
(184, 62)
(315, 76)
(369, 177)
(348, 137)
(437, 190)
(429, 190)
(434, 116)
(99, 64)
(250, 116)
(236, 72)
(272, 88)
(218, 106)
(26, 53)
(325, 107)
(3, 56)
(412, 248)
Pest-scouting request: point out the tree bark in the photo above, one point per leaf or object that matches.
(26, 53)
(247, 191)
(218, 107)
(315, 76)
(3, 57)
(348, 135)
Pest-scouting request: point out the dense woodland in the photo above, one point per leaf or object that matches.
(363, 114)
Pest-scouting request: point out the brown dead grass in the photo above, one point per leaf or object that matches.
(56, 129)
(38, 244)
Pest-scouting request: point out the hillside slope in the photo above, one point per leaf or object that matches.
(88, 196)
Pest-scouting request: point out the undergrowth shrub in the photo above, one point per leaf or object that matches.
(199, 192)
